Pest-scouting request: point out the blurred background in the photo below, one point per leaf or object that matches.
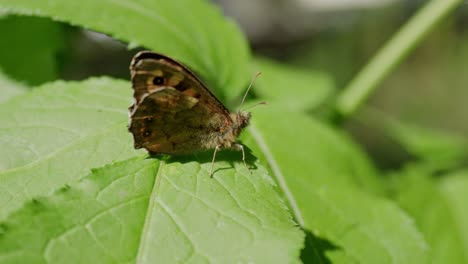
(335, 37)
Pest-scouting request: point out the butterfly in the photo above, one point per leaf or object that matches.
(175, 113)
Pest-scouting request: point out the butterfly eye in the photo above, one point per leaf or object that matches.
(146, 133)
(158, 80)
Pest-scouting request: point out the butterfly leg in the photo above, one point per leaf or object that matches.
(241, 148)
(213, 160)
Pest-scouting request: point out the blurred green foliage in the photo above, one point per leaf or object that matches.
(30, 48)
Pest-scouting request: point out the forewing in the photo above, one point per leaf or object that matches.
(168, 121)
(151, 71)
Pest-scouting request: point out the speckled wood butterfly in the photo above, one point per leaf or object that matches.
(175, 113)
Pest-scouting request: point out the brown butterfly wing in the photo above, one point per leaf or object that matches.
(175, 113)
(151, 71)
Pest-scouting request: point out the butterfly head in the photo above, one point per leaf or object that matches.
(243, 119)
(240, 121)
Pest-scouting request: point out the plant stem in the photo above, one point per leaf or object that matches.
(402, 43)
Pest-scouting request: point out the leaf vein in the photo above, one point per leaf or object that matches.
(212, 207)
(277, 172)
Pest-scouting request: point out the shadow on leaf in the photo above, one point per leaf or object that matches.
(226, 155)
(315, 249)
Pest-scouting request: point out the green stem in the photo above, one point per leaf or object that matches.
(402, 43)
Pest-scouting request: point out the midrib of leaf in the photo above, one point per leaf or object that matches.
(85, 224)
(277, 173)
(149, 212)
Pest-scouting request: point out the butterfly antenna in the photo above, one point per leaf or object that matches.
(254, 105)
(248, 89)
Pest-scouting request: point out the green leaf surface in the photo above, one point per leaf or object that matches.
(57, 133)
(295, 88)
(30, 47)
(9, 88)
(235, 207)
(438, 206)
(97, 220)
(332, 190)
(194, 32)
(140, 210)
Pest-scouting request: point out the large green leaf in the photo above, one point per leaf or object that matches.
(30, 48)
(142, 211)
(57, 133)
(294, 88)
(438, 206)
(194, 32)
(327, 182)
